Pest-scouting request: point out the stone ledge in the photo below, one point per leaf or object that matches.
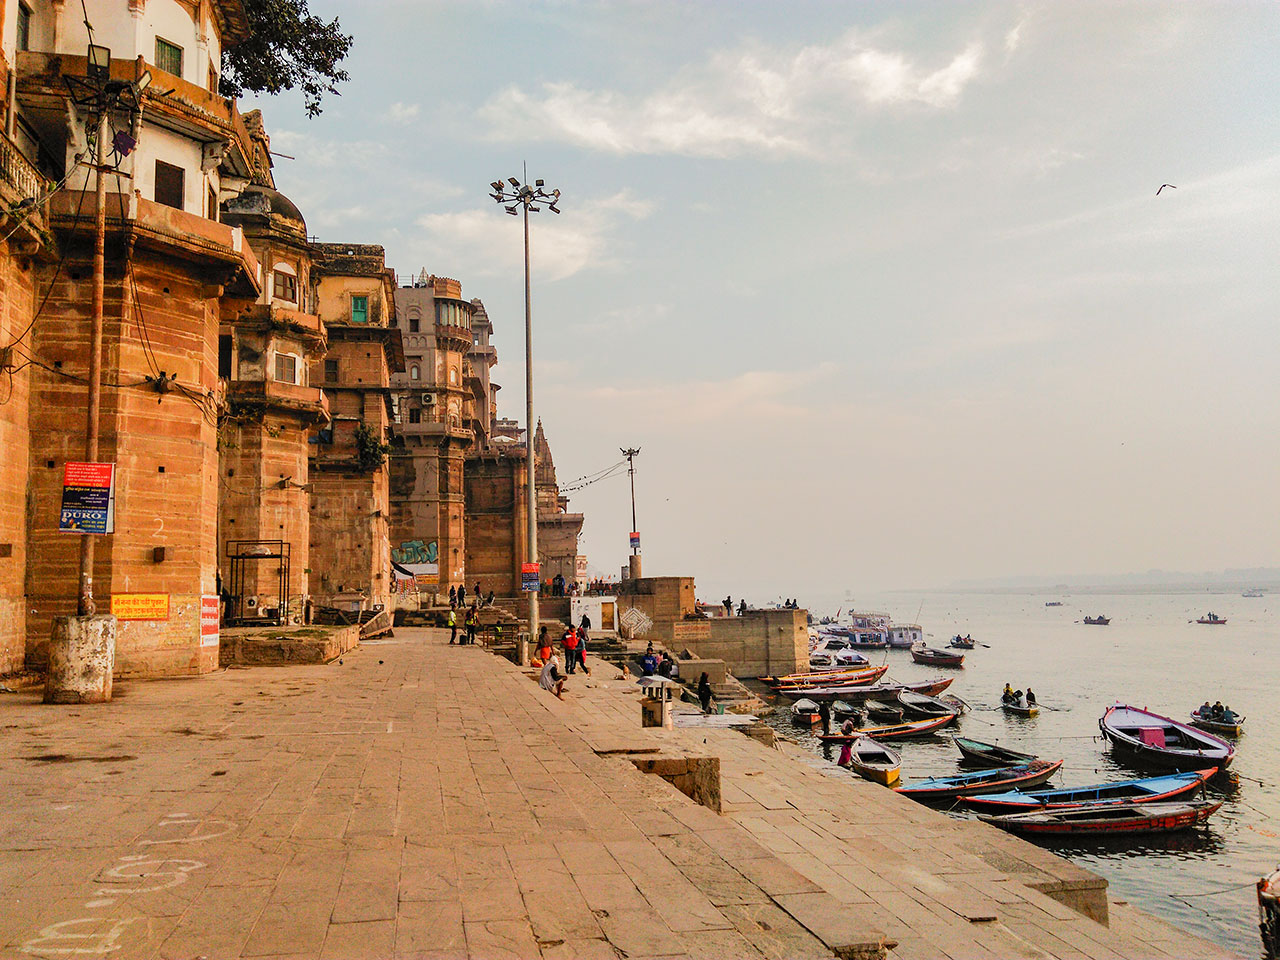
(259, 648)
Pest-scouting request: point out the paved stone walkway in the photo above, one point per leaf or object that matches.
(427, 801)
(418, 800)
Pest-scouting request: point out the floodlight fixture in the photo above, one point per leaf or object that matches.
(497, 185)
(514, 182)
(99, 62)
(142, 82)
(512, 211)
(538, 183)
(553, 208)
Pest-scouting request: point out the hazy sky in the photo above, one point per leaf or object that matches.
(883, 292)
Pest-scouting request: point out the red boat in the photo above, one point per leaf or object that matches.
(1108, 819)
(937, 658)
(870, 691)
(853, 678)
(893, 731)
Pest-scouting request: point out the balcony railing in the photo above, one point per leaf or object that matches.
(19, 172)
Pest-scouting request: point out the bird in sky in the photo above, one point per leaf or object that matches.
(1163, 185)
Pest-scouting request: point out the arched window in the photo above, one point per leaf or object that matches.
(415, 373)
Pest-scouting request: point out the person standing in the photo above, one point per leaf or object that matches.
(478, 595)
(824, 714)
(585, 624)
(453, 626)
(472, 624)
(453, 597)
(462, 596)
(728, 606)
(582, 651)
(570, 642)
(704, 693)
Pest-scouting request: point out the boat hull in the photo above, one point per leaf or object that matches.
(937, 658)
(1218, 727)
(876, 762)
(893, 731)
(1124, 792)
(1017, 711)
(990, 754)
(1108, 821)
(944, 788)
(866, 692)
(1124, 726)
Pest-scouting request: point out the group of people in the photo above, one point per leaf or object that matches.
(1017, 697)
(470, 622)
(659, 664)
(727, 603)
(1217, 713)
(458, 597)
(791, 605)
(574, 644)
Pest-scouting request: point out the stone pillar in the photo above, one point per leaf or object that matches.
(633, 567)
(82, 656)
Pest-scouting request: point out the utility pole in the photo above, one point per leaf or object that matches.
(634, 562)
(529, 199)
(85, 606)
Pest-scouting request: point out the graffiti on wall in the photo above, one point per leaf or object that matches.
(415, 551)
(635, 622)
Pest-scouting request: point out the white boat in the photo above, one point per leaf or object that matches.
(805, 712)
(1254, 593)
(903, 635)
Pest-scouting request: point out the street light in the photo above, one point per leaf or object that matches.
(528, 199)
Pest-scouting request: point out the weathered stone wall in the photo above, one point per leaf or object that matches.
(164, 446)
(495, 519)
(256, 456)
(349, 546)
(16, 307)
(762, 643)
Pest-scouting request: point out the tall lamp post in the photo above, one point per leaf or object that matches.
(634, 563)
(528, 199)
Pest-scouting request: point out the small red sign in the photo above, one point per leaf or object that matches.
(209, 621)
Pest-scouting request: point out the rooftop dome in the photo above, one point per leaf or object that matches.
(263, 201)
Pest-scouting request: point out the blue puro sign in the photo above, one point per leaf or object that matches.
(88, 498)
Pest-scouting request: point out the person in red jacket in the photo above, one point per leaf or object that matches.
(570, 642)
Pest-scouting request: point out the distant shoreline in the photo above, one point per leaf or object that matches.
(1225, 587)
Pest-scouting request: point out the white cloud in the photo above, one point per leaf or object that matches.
(484, 242)
(401, 113)
(755, 99)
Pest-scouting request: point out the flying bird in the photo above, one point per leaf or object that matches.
(1163, 185)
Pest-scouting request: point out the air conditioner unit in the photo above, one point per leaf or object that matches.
(428, 399)
(251, 602)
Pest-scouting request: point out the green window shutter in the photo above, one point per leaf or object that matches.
(359, 309)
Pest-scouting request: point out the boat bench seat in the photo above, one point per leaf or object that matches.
(1152, 736)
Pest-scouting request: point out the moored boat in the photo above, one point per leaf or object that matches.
(1146, 790)
(870, 691)
(1151, 738)
(903, 635)
(938, 658)
(847, 678)
(1053, 603)
(978, 753)
(1223, 728)
(919, 706)
(893, 731)
(1098, 621)
(941, 788)
(874, 761)
(1107, 819)
(805, 712)
(881, 712)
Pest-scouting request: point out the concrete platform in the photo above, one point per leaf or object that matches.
(423, 800)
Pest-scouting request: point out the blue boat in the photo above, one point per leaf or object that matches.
(1026, 775)
(1147, 790)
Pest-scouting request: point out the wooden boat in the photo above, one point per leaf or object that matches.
(1053, 603)
(1030, 710)
(893, 731)
(870, 691)
(1148, 790)
(805, 712)
(1148, 737)
(1212, 619)
(1222, 728)
(919, 706)
(867, 641)
(1269, 912)
(941, 788)
(989, 754)
(838, 678)
(1098, 621)
(882, 712)
(938, 658)
(874, 761)
(1112, 819)
(962, 643)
